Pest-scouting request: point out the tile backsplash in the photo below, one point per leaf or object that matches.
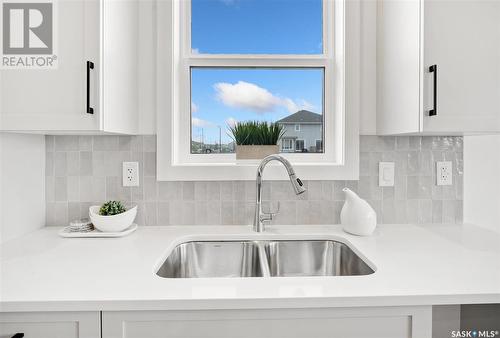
(87, 170)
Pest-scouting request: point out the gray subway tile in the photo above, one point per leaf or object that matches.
(49, 164)
(227, 213)
(149, 143)
(200, 191)
(50, 188)
(73, 189)
(151, 213)
(149, 164)
(49, 143)
(163, 213)
(169, 191)
(61, 189)
(85, 163)
(402, 143)
(85, 170)
(66, 143)
(213, 212)
(73, 163)
(437, 211)
(73, 211)
(105, 143)
(124, 143)
(60, 163)
(136, 143)
(61, 213)
(150, 189)
(188, 191)
(85, 143)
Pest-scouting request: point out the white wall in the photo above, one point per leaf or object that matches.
(482, 181)
(22, 184)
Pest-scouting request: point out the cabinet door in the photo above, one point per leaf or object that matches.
(305, 323)
(462, 39)
(50, 324)
(56, 99)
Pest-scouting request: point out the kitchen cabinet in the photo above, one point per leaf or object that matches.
(50, 324)
(387, 322)
(438, 68)
(93, 89)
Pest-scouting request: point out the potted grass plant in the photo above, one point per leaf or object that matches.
(256, 140)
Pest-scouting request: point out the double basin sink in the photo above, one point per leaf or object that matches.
(262, 258)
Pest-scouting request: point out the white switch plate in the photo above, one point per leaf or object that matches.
(386, 174)
(130, 174)
(444, 173)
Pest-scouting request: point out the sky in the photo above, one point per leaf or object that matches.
(223, 96)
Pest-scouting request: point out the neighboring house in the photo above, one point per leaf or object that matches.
(303, 132)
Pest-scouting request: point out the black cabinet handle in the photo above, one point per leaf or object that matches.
(434, 69)
(90, 110)
(18, 335)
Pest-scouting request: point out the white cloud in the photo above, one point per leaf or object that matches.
(194, 107)
(231, 122)
(249, 96)
(200, 123)
(195, 51)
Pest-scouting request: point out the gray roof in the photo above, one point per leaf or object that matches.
(302, 116)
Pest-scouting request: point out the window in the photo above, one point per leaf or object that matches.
(287, 144)
(319, 145)
(221, 97)
(300, 146)
(224, 61)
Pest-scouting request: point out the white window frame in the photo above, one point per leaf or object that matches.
(297, 127)
(341, 60)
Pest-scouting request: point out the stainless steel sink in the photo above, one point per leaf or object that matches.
(212, 259)
(263, 258)
(313, 258)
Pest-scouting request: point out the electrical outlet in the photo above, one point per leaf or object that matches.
(444, 174)
(386, 174)
(130, 174)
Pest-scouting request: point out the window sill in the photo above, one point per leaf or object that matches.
(246, 170)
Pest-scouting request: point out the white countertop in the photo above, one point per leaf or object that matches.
(415, 265)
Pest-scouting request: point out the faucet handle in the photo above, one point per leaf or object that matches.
(269, 215)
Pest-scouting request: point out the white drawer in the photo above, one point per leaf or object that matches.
(50, 324)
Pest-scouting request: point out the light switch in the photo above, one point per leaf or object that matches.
(386, 174)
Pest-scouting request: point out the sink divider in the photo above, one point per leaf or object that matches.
(264, 264)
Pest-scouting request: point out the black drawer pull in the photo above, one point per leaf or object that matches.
(90, 65)
(18, 335)
(434, 69)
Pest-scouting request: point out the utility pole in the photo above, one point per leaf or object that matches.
(220, 139)
(202, 140)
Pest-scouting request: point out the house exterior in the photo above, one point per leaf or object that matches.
(303, 132)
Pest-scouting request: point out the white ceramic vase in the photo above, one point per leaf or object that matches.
(357, 216)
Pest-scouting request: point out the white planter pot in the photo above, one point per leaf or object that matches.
(114, 223)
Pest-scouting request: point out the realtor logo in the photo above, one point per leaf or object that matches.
(28, 35)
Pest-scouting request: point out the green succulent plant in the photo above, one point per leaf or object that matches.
(256, 133)
(112, 208)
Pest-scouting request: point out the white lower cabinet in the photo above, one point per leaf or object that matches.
(394, 322)
(50, 324)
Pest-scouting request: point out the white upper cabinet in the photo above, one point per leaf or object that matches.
(92, 88)
(438, 67)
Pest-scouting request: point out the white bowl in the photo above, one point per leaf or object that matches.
(113, 223)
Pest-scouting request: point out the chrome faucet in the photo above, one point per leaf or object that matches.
(298, 187)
